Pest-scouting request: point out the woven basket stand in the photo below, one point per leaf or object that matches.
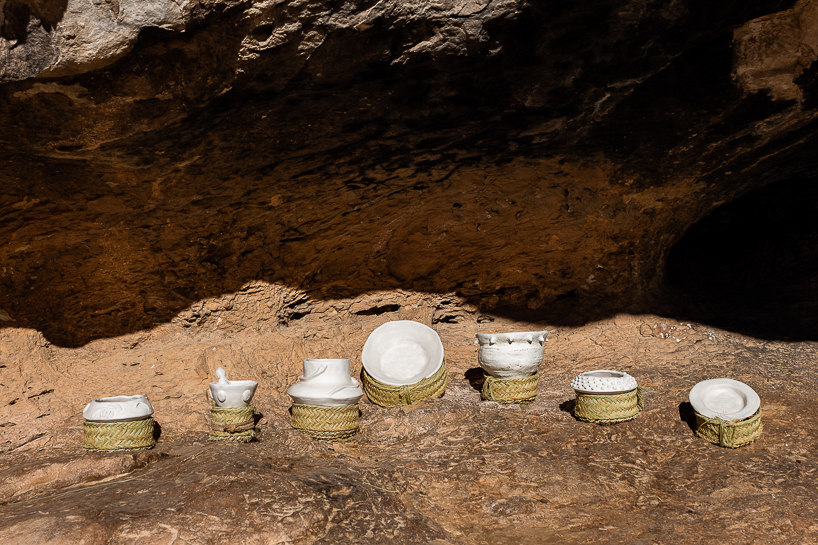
(729, 433)
(387, 395)
(510, 390)
(113, 436)
(233, 424)
(608, 408)
(330, 424)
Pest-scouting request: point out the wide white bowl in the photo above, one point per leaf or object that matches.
(326, 383)
(118, 409)
(402, 352)
(603, 381)
(724, 398)
(511, 355)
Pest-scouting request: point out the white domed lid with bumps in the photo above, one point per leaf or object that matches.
(603, 381)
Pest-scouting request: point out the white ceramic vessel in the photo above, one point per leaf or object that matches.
(402, 352)
(326, 383)
(603, 381)
(118, 409)
(724, 398)
(231, 393)
(511, 355)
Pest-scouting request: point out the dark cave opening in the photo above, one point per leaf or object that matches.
(752, 264)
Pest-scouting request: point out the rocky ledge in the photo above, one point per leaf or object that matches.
(454, 470)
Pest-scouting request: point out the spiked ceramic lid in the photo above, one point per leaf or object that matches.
(603, 381)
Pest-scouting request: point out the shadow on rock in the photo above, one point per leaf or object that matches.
(568, 406)
(475, 376)
(687, 415)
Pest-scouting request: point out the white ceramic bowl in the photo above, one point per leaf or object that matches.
(326, 383)
(511, 355)
(118, 409)
(236, 393)
(402, 352)
(603, 381)
(724, 398)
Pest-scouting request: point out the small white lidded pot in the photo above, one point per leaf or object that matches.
(231, 393)
(118, 409)
(326, 383)
(603, 381)
(511, 355)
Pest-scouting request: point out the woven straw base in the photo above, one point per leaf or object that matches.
(510, 390)
(111, 436)
(729, 433)
(240, 437)
(330, 424)
(608, 408)
(233, 424)
(387, 395)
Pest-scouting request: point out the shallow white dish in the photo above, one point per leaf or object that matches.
(603, 381)
(402, 352)
(724, 398)
(118, 409)
(511, 355)
(231, 393)
(326, 383)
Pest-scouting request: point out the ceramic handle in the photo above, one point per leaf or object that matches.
(335, 391)
(319, 372)
(222, 376)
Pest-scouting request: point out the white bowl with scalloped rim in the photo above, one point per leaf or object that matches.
(511, 355)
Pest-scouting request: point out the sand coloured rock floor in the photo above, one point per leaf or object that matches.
(458, 470)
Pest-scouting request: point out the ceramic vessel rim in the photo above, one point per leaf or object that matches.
(120, 399)
(699, 392)
(484, 338)
(128, 401)
(605, 393)
(624, 377)
(235, 384)
(326, 359)
(385, 329)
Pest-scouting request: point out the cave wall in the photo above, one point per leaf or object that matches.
(534, 161)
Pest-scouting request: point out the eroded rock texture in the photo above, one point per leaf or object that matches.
(449, 471)
(532, 158)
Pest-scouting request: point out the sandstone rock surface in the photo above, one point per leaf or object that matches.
(454, 470)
